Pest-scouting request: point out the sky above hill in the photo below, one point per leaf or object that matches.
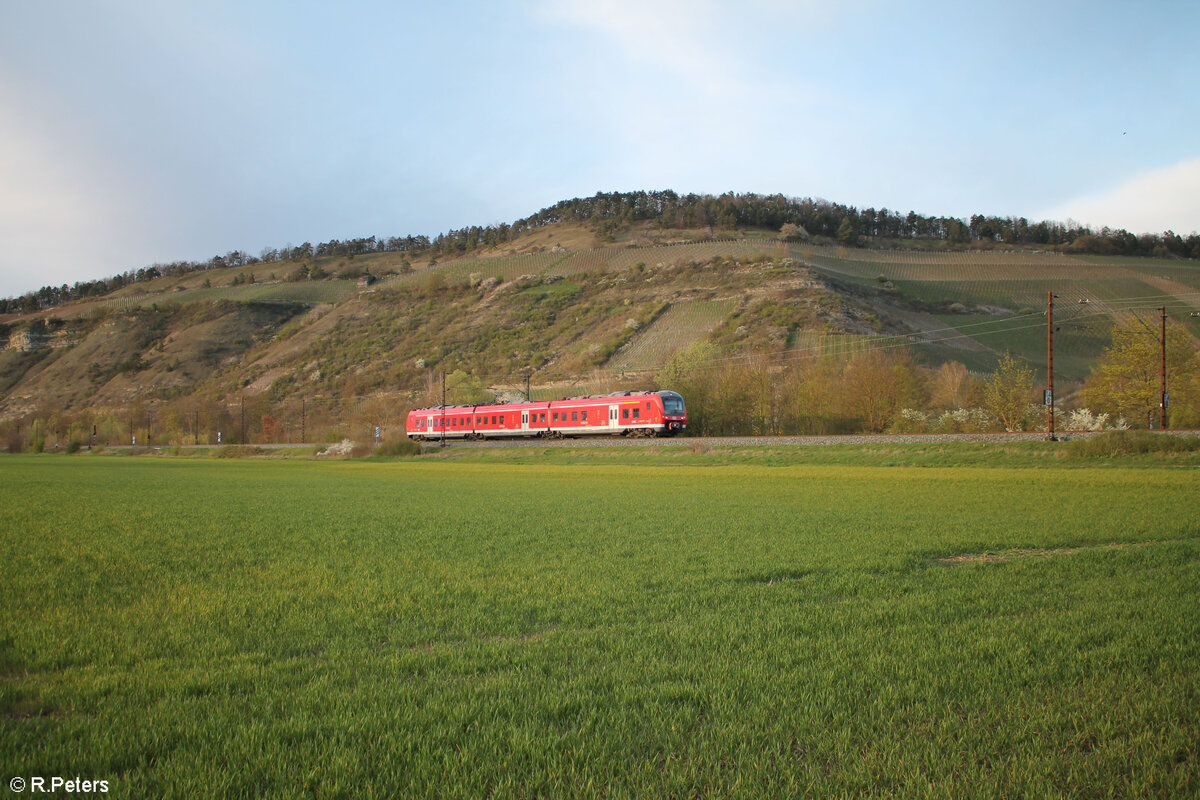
(134, 132)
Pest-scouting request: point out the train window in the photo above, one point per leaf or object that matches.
(555, 416)
(574, 416)
(585, 416)
(624, 413)
(635, 412)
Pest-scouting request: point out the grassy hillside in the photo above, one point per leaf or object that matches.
(571, 313)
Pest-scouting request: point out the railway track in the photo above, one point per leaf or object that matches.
(778, 441)
(882, 439)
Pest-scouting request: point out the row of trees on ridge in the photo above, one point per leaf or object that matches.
(607, 212)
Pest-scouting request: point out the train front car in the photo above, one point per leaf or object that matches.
(414, 425)
(674, 412)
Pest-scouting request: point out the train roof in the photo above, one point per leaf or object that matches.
(627, 393)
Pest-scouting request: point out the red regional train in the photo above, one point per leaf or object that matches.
(622, 414)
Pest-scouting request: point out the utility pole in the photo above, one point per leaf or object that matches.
(528, 399)
(443, 408)
(1163, 399)
(1050, 366)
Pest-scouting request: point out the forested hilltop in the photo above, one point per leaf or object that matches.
(770, 315)
(609, 213)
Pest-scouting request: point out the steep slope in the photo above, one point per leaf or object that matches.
(147, 353)
(561, 306)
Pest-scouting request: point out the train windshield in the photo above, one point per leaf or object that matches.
(672, 404)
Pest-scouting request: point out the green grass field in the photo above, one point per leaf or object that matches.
(513, 626)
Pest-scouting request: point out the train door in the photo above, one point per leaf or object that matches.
(525, 421)
(612, 417)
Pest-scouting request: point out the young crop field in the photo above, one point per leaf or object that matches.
(505, 268)
(679, 326)
(432, 628)
(612, 258)
(329, 291)
(812, 344)
(926, 266)
(1084, 315)
(989, 266)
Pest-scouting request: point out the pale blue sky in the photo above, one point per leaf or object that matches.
(134, 132)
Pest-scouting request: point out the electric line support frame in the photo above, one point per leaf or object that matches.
(1050, 437)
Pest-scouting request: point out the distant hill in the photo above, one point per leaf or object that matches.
(572, 306)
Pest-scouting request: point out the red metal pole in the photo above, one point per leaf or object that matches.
(1050, 363)
(1163, 373)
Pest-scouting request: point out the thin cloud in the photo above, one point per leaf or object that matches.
(698, 99)
(1153, 202)
(57, 206)
(670, 35)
